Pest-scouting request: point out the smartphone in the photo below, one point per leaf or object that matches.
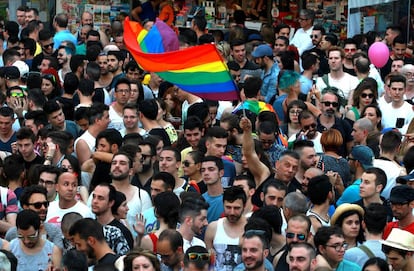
(400, 122)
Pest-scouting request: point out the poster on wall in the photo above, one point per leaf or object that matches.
(104, 11)
(331, 14)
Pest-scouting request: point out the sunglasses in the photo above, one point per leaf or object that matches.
(370, 95)
(31, 237)
(314, 36)
(350, 50)
(48, 45)
(186, 163)
(307, 127)
(38, 205)
(334, 104)
(300, 236)
(17, 94)
(193, 256)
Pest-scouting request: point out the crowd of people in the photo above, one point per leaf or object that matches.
(109, 167)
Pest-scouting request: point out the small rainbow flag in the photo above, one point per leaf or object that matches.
(254, 106)
(199, 70)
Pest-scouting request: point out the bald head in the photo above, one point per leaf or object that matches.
(66, 188)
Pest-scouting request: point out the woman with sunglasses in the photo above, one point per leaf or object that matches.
(50, 86)
(365, 93)
(191, 168)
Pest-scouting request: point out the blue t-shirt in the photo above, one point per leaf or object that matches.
(216, 207)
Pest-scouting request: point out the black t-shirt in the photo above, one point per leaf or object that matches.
(127, 234)
(37, 160)
(108, 259)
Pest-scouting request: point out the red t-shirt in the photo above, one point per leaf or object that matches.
(394, 224)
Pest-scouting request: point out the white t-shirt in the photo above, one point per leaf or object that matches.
(391, 114)
(117, 121)
(55, 213)
(194, 242)
(347, 83)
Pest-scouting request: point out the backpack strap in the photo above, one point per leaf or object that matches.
(325, 79)
(367, 251)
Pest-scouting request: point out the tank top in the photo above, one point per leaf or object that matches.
(323, 222)
(35, 262)
(228, 252)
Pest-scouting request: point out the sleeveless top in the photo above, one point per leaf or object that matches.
(323, 222)
(356, 112)
(35, 262)
(227, 249)
(221, 236)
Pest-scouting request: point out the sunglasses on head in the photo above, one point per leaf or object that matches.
(38, 205)
(50, 77)
(300, 236)
(334, 104)
(193, 256)
(370, 95)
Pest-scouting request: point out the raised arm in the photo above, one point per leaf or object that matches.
(259, 170)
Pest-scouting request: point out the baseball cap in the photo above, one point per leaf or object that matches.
(23, 67)
(262, 50)
(402, 194)
(364, 155)
(11, 72)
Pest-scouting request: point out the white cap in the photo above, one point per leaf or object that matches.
(23, 67)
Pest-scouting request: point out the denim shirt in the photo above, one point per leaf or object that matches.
(269, 78)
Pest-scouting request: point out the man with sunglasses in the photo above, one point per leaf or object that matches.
(331, 245)
(401, 198)
(33, 252)
(197, 258)
(302, 39)
(360, 159)
(297, 231)
(330, 103)
(350, 48)
(46, 43)
(34, 198)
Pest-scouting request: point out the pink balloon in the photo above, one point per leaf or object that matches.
(378, 54)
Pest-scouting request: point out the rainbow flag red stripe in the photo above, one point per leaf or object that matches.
(199, 70)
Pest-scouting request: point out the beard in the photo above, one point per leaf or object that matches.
(330, 113)
(146, 167)
(119, 177)
(257, 264)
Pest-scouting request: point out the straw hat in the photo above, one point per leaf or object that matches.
(400, 239)
(343, 208)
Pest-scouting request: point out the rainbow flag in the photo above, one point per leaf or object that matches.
(254, 106)
(199, 70)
